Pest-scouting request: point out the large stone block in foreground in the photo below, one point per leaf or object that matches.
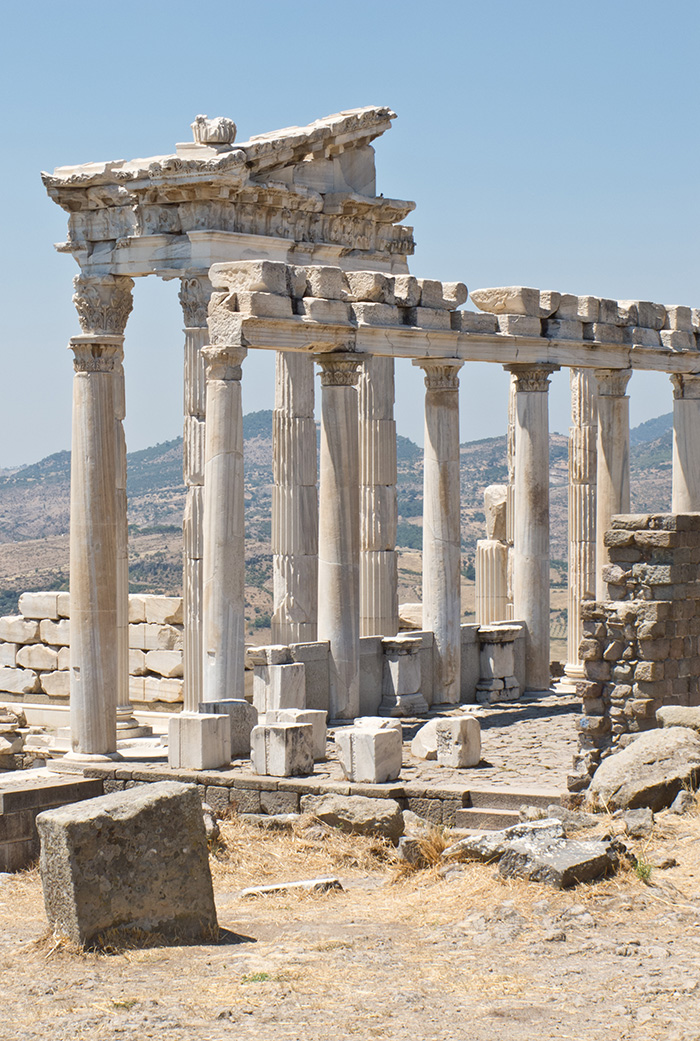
(129, 863)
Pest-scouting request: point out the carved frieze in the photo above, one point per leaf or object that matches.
(103, 303)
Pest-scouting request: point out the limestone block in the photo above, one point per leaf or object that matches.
(406, 291)
(137, 690)
(318, 309)
(269, 654)
(679, 318)
(471, 322)
(39, 605)
(328, 282)
(410, 616)
(562, 329)
(129, 863)
(638, 336)
(64, 605)
(16, 629)
(199, 742)
(279, 686)
(137, 662)
(155, 689)
(676, 340)
(443, 296)
(368, 754)
(519, 325)
(153, 637)
(648, 314)
(8, 654)
(56, 684)
(193, 450)
(165, 663)
(578, 308)
(371, 286)
(315, 717)
(427, 318)
(603, 332)
(164, 609)
(137, 608)
(37, 656)
(282, 749)
(252, 276)
(458, 742)
(55, 633)
(242, 718)
(264, 305)
(356, 814)
(378, 723)
(424, 744)
(376, 314)
(18, 681)
(510, 300)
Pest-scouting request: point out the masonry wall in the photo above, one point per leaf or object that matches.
(641, 646)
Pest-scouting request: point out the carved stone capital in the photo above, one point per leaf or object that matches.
(685, 385)
(531, 378)
(339, 370)
(93, 354)
(223, 363)
(612, 383)
(441, 373)
(103, 303)
(194, 298)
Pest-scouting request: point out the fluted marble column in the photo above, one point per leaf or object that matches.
(223, 561)
(582, 499)
(379, 601)
(294, 501)
(339, 531)
(510, 497)
(686, 443)
(441, 525)
(613, 459)
(195, 292)
(531, 538)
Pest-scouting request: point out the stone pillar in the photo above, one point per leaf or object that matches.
(99, 580)
(582, 507)
(442, 606)
(339, 531)
(379, 600)
(223, 561)
(686, 443)
(491, 561)
(194, 298)
(613, 459)
(294, 501)
(531, 542)
(510, 499)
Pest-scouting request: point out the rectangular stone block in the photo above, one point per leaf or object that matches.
(37, 656)
(519, 325)
(137, 662)
(164, 609)
(368, 754)
(471, 322)
(56, 684)
(406, 291)
(18, 681)
(8, 654)
(16, 629)
(242, 718)
(165, 663)
(371, 286)
(328, 282)
(315, 717)
(152, 637)
(442, 295)
(64, 605)
(317, 309)
(562, 329)
(279, 686)
(199, 742)
(676, 340)
(264, 305)
(253, 276)
(57, 634)
(427, 318)
(603, 332)
(137, 608)
(156, 689)
(282, 749)
(129, 863)
(458, 742)
(39, 605)
(578, 308)
(375, 314)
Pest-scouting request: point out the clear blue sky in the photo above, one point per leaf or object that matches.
(551, 143)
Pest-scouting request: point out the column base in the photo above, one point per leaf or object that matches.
(75, 762)
(574, 671)
(403, 705)
(199, 742)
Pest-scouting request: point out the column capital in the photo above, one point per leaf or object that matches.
(612, 383)
(685, 385)
(103, 303)
(339, 370)
(531, 378)
(440, 373)
(96, 353)
(194, 295)
(224, 363)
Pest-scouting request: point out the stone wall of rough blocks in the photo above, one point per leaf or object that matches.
(35, 653)
(641, 646)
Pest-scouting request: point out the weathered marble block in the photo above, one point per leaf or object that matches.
(37, 656)
(128, 863)
(16, 629)
(458, 742)
(39, 605)
(401, 677)
(369, 754)
(316, 717)
(199, 742)
(279, 686)
(242, 716)
(497, 681)
(282, 749)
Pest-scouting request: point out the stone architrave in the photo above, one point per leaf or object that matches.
(612, 459)
(582, 509)
(441, 525)
(195, 291)
(98, 537)
(294, 501)
(339, 531)
(223, 561)
(379, 601)
(686, 443)
(531, 544)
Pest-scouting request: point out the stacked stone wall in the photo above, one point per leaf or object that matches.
(641, 646)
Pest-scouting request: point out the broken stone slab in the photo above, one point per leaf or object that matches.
(129, 863)
(369, 754)
(424, 744)
(573, 820)
(638, 823)
(685, 802)
(410, 617)
(651, 771)
(560, 864)
(516, 300)
(357, 814)
(271, 821)
(458, 742)
(311, 885)
(491, 845)
(678, 716)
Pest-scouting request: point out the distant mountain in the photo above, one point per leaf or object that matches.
(652, 429)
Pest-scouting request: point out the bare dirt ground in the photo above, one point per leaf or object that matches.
(467, 956)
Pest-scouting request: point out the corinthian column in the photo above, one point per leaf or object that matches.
(686, 443)
(223, 562)
(194, 298)
(339, 532)
(294, 501)
(441, 525)
(379, 601)
(613, 459)
(531, 537)
(582, 499)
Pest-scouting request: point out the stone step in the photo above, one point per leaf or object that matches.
(512, 798)
(485, 819)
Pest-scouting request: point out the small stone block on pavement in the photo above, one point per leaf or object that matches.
(199, 742)
(242, 716)
(129, 863)
(458, 742)
(282, 749)
(369, 754)
(316, 717)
